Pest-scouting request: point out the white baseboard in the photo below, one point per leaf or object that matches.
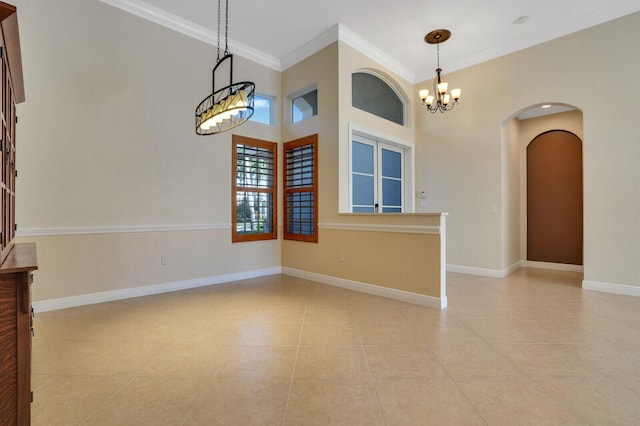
(469, 270)
(128, 293)
(550, 265)
(404, 296)
(627, 290)
(501, 273)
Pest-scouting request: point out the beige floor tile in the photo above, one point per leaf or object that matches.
(150, 401)
(546, 360)
(611, 359)
(126, 358)
(327, 312)
(596, 400)
(340, 364)
(508, 402)
(531, 348)
(376, 311)
(273, 312)
(450, 332)
(632, 383)
(258, 333)
(321, 403)
(475, 361)
(403, 362)
(330, 333)
(241, 402)
(193, 359)
(68, 400)
(273, 363)
(425, 402)
(391, 333)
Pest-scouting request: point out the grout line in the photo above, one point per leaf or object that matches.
(372, 382)
(295, 361)
(107, 400)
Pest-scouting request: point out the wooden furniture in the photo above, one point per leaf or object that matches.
(16, 328)
(17, 261)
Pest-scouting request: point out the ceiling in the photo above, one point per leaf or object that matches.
(279, 33)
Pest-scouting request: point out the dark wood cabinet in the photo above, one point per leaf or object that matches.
(17, 261)
(16, 328)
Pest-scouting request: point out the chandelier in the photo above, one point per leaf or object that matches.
(230, 106)
(440, 100)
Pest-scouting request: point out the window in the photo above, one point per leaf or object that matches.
(377, 176)
(372, 94)
(262, 109)
(305, 105)
(254, 189)
(301, 189)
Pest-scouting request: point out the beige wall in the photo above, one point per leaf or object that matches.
(106, 142)
(459, 159)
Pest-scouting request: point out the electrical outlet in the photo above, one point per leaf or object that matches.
(164, 260)
(341, 256)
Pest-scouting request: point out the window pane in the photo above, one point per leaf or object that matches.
(364, 210)
(362, 158)
(305, 106)
(254, 212)
(391, 192)
(261, 109)
(363, 190)
(391, 210)
(372, 94)
(254, 167)
(300, 217)
(391, 164)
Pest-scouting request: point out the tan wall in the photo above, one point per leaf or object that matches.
(106, 140)
(395, 260)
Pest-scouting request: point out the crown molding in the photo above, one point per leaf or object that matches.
(190, 29)
(363, 46)
(339, 32)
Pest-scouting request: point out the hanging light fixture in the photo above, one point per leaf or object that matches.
(440, 100)
(230, 106)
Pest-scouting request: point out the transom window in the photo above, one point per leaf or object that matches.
(254, 189)
(304, 106)
(262, 111)
(372, 94)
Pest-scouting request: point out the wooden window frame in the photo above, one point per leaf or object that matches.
(235, 188)
(287, 235)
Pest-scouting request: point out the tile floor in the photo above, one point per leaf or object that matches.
(532, 348)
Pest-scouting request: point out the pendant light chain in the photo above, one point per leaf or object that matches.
(226, 28)
(218, 58)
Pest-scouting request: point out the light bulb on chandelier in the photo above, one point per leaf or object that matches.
(440, 100)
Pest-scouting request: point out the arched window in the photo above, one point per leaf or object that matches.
(374, 95)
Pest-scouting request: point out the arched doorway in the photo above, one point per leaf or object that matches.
(555, 198)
